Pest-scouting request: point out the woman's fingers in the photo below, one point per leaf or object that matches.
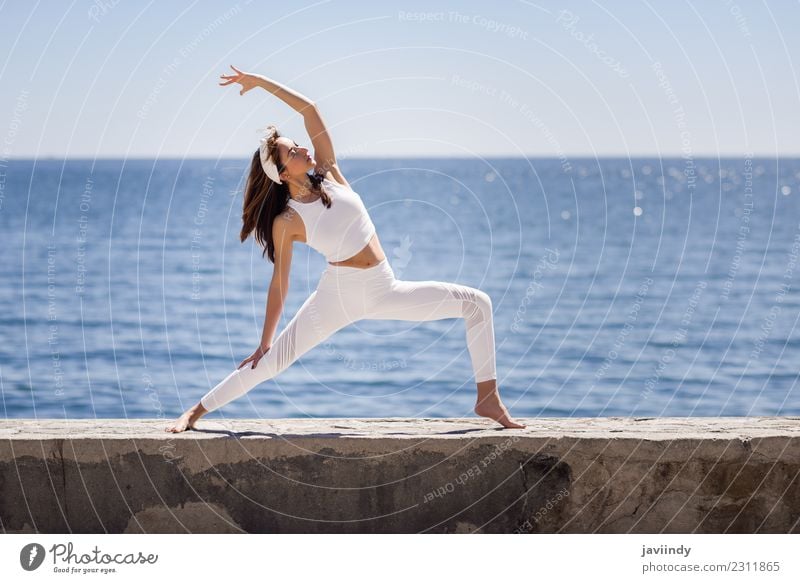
(235, 69)
(255, 357)
(233, 79)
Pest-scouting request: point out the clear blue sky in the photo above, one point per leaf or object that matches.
(112, 78)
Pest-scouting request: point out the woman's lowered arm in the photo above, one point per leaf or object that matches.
(279, 286)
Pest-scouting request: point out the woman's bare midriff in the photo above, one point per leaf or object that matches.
(370, 255)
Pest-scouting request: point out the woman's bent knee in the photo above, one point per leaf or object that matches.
(483, 300)
(479, 307)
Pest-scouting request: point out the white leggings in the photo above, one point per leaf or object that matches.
(347, 294)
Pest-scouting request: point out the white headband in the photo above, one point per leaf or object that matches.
(266, 162)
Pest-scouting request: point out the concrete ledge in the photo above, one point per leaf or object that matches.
(573, 475)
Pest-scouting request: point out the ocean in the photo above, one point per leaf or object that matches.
(620, 287)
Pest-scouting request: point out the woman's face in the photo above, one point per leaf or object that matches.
(297, 160)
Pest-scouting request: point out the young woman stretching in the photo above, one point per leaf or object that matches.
(284, 203)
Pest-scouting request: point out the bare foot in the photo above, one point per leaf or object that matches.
(491, 406)
(187, 420)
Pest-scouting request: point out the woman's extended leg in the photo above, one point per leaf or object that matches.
(319, 317)
(436, 300)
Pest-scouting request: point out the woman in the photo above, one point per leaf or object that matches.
(284, 203)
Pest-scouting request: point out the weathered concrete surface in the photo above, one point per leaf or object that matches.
(576, 475)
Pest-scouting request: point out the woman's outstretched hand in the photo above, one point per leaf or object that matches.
(247, 80)
(256, 356)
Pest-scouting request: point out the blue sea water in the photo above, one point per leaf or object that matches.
(645, 287)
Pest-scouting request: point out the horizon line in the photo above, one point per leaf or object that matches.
(471, 158)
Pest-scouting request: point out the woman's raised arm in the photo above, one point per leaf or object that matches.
(322, 142)
(315, 126)
(297, 101)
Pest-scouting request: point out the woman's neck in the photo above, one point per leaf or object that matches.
(302, 190)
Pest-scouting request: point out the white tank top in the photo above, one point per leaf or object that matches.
(338, 232)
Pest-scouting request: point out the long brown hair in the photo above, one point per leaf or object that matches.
(264, 199)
